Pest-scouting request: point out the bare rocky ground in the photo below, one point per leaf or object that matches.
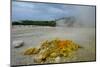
(34, 35)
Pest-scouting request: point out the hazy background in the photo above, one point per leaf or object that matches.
(80, 15)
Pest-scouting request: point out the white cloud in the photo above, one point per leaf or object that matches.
(23, 4)
(55, 10)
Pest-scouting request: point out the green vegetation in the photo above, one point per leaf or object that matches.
(30, 22)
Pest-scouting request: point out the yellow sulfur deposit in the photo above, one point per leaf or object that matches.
(50, 51)
(30, 51)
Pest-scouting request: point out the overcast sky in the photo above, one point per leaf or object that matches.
(51, 11)
(40, 11)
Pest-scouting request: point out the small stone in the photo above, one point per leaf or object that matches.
(57, 59)
(18, 43)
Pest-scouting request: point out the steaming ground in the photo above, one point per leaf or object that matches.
(34, 35)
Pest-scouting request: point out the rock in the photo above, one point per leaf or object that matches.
(38, 58)
(18, 43)
(31, 51)
(41, 56)
(57, 59)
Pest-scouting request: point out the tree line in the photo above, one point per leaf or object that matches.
(30, 22)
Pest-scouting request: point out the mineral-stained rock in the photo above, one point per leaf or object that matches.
(41, 56)
(54, 51)
(31, 51)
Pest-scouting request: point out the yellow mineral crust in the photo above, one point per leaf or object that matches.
(49, 51)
